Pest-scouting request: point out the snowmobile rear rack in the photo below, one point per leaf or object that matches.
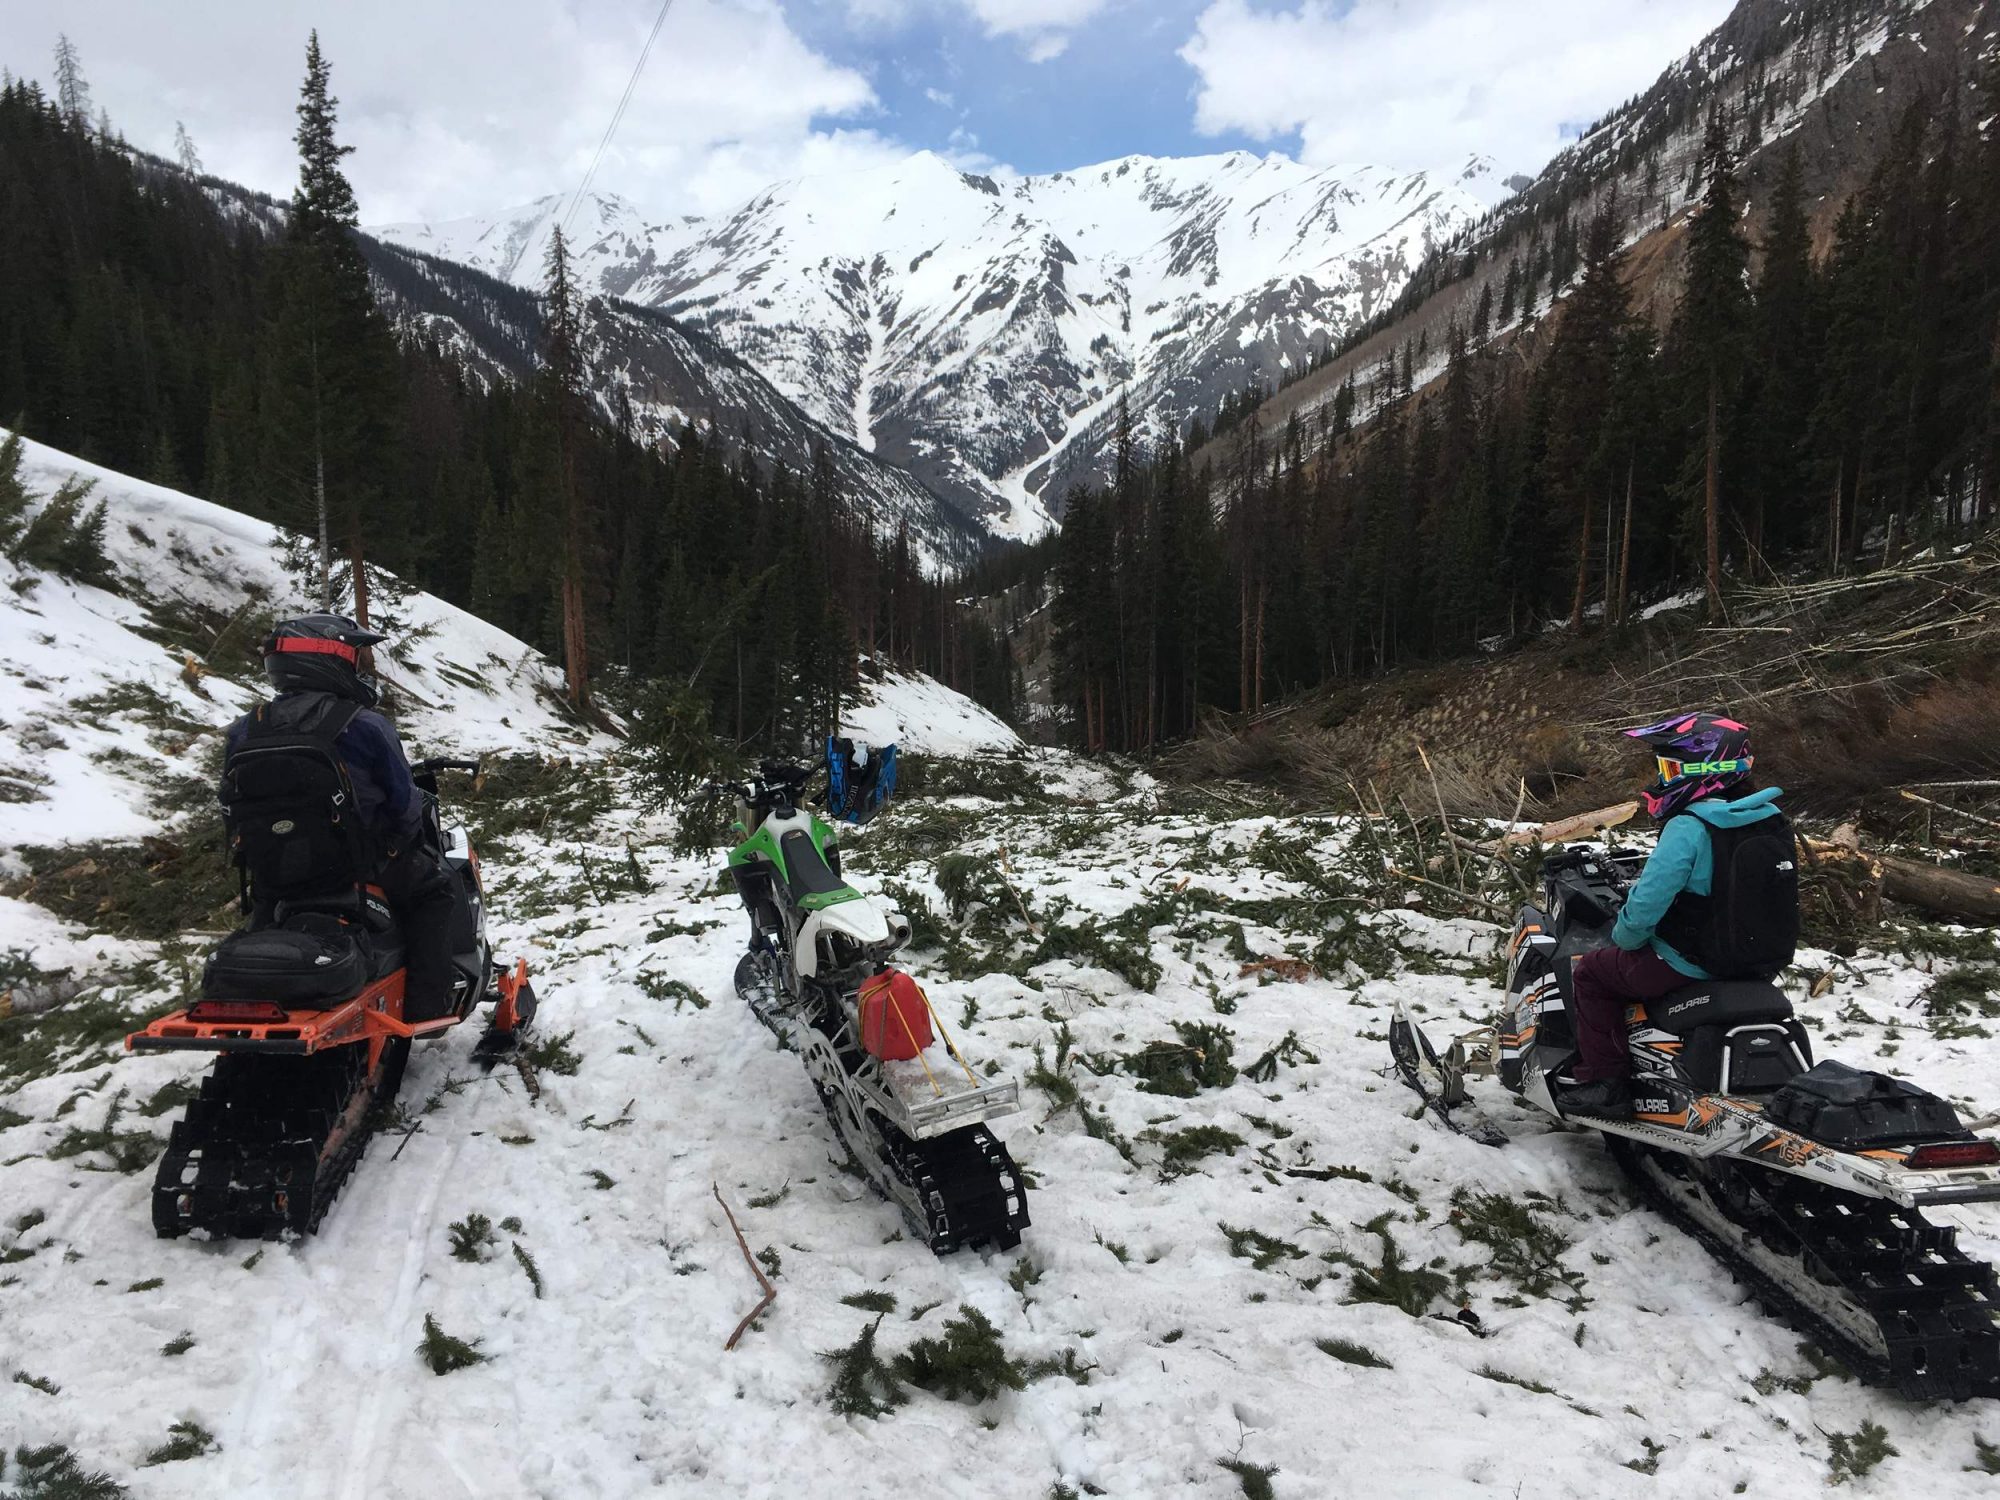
(302, 1032)
(928, 1112)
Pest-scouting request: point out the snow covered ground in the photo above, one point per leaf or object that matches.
(923, 717)
(85, 673)
(1264, 1272)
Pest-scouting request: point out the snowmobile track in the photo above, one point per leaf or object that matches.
(957, 1190)
(1933, 1305)
(250, 1158)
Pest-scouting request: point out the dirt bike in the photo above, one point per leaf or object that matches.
(906, 1104)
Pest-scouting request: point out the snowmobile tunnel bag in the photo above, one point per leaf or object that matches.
(287, 967)
(1849, 1109)
(895, 1018)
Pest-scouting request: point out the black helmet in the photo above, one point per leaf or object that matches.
(1698, 755)
(321, 654)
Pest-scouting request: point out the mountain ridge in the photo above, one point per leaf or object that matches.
(978, 330)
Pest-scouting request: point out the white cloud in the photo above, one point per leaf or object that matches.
(454, 110)
(1420, 83)
(1042, 26)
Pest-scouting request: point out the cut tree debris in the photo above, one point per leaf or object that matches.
(1929, 887)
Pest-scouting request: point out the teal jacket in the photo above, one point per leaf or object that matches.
(1683, 861)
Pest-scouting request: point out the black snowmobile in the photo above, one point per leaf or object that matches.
(305, 1004)
(1806, 1181)
(907, 1106)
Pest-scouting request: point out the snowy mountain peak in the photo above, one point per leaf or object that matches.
(978, 330)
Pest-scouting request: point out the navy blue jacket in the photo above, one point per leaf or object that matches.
(387, 799)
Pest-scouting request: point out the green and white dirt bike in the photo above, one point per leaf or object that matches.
(906, 1105)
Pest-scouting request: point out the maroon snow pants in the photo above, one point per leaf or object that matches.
(1605, 981)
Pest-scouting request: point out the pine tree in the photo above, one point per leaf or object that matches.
(1786, 358)
(1582, 363)
(13, 493)
(333, 358)
(1708, 336)
(565, 389)
(72, 91)
(184, 152)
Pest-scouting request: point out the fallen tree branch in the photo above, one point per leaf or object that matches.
(1465, 896)
(1457, 865)
(1007, 870)
(1563, 830)
(1957, 812)
(770, 1291)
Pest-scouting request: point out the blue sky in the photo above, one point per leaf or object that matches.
(1118, 87)
(465, 107)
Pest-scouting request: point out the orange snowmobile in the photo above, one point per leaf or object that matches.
(305, 1004)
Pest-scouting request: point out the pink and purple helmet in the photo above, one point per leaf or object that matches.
(1699, 755)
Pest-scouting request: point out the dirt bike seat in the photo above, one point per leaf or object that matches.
(1719, 1002)
(806, 867)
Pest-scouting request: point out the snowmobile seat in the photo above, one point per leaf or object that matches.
(1719, 1002)
(361, 913)
(807, 869)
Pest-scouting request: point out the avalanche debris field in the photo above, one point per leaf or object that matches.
(1251, 1269)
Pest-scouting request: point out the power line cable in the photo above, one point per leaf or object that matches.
(618, 115)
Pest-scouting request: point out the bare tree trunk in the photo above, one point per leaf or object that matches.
(1833, 516)
(1712, 498)
(576, 658)
(1582, 561)
(1625, 543)
(359, 563)
(1263, 598)
(319, 485)
(1243, 642)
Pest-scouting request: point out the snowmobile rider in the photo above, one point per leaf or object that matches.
(314, 662)
(1703, 795)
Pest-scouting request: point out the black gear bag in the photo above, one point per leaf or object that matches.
(288, 803)
(1747, 927)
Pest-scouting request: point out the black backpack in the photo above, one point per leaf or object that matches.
(1747, 927)
(288, 803)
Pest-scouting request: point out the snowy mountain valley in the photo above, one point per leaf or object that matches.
(1255, 1266)
(979, 333)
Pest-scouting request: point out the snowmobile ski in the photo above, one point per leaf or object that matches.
(1439, 1082)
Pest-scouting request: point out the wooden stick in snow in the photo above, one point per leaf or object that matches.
(1457, 865)
(770, 1291)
